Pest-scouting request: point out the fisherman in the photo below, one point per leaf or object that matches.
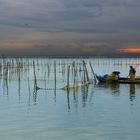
(113, 76)
(132, 72)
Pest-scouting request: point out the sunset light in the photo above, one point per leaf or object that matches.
(130, 50)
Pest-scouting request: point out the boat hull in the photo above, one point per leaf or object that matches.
(122, 80)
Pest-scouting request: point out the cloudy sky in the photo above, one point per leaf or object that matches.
(69, 27)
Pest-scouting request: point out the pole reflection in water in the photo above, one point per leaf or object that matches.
(55, 80)
(19, 83)
(81, 92)
(132, 92)
(29, 99)
(84, 91)
(46, 74)
(115, 89)
(112, 88)
(35, 96)
(68, 99)
(5, 87)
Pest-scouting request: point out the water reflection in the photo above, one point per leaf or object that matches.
(83, 92)
(132, 92)
(113, 88)
(29, 97)
(35, 96)
(68, 100)
(5, 87)
(14, 73)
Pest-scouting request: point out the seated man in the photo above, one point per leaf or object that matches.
(113, 76)
(132, 72)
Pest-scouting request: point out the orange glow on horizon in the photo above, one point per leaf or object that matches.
(130, 50)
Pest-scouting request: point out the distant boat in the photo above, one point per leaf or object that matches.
(123, 80)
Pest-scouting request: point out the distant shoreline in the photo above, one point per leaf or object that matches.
(69, 56)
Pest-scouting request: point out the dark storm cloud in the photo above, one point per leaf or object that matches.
(61, 13)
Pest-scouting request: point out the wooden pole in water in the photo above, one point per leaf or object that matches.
(6, 73)
(84, 75)
(48, 69)
(68, 73)
(85, 69)
(93, 73)
(35, 81)
(55, 81)
(55, 74)
(73, 65)
(19, 78)
(75, 82)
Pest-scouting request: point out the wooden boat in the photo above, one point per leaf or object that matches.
(123, 80)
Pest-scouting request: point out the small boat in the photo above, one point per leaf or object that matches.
(124, 80)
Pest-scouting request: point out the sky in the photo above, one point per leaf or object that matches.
(69, 27)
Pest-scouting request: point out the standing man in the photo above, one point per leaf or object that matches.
(132, 72)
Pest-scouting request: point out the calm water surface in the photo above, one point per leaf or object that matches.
(99, 111)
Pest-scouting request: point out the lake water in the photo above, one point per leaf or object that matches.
(96, 111)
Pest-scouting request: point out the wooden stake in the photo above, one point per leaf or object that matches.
(68, 73)
(93, 73)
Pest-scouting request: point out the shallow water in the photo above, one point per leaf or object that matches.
(98, 111)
